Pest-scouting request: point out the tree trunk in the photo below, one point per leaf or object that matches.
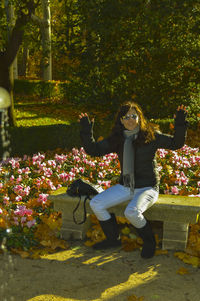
(8, 55)
(15, 68)
(7, 81)
(46, 41)
(23, 61)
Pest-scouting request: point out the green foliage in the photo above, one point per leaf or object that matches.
(18, 237)
(44, 89)
(43, 138)
(145, 51)
(30, 140)
(78, 93)
(109, 51)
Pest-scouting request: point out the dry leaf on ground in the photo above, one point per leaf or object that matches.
(135, 298)
(182, 271)
(194, 261)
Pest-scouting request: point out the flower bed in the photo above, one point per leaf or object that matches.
(27, 218)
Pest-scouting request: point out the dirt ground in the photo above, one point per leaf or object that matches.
(82, 274)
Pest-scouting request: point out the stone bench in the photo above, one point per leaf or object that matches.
(176, 213)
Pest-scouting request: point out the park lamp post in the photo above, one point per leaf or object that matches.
(5, 103)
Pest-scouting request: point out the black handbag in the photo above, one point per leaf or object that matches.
(81, 188)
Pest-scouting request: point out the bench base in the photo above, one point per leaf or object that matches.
(172, 239)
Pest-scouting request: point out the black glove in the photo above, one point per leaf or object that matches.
(180, 118)
(86, 124)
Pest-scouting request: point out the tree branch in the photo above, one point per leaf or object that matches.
(37, 20)
(16, 36)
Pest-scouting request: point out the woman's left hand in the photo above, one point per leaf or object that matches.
(182, 107)
(181, 115)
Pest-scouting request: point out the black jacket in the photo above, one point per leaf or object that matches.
(146, 173)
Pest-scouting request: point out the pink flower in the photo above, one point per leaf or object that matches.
(60, 158)
(23, 219)
(1, 185)
(6, 198)
(1, 211)
(166, 191)
(27, 190)
(52, 163)
(162, 153)
(18, 198)
(12, 178)
(26, 170)
(22, 210)
(101, 175)
(31, 223)
(48, 172)
(20, 190)
(19, 179)
(37, 158)
(42, 198)
(81, 169)
(14, 163)
(75, 152)
(174, 190)
(16, 222)
(77, 159)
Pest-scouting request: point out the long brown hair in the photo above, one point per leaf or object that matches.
(147, 130)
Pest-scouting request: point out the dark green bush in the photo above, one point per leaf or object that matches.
(30, 140)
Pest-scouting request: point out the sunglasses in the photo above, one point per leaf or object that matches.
(127, 117)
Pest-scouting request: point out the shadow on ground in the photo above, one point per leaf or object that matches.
(83, 274)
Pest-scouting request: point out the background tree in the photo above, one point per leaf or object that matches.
(146, 50)
(45, 27)
(11, 43)
(112, 50)
(10, 23)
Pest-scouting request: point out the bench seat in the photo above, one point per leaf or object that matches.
(176, 213)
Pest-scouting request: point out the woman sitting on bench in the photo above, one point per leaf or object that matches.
(135, 141)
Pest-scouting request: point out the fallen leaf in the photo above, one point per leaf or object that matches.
(135, 298)
(161, 252)
(23, 254)
(100, 138)
(126, 230)
(182, 271)
(89, 243)
(122, 220)
(194, 261)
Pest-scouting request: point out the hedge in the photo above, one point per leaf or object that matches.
(77, 92)
(30, 140)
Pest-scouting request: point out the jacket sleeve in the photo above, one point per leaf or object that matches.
(172, 142)
(93, 148)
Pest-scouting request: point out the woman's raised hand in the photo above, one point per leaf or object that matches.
(182, 107)
(85, 121)
(82, 115)
(181, 115)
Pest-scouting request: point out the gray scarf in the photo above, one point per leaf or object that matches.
(128, 158)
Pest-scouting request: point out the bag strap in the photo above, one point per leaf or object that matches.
(85, 213)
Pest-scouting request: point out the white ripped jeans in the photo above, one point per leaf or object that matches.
(140, 201)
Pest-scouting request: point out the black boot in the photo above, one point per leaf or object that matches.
(149, 245)
(111, 231)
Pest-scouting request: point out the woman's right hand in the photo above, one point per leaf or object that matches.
(85, 121)
(82, 115)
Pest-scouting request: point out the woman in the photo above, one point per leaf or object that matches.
(135, 141)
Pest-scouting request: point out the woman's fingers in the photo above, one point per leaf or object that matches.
(82, 115)
(182, 107)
